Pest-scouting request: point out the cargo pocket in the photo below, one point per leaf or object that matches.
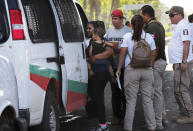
(160, 65)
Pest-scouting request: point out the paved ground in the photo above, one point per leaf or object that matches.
(78, 121)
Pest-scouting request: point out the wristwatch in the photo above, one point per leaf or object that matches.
(184, 61)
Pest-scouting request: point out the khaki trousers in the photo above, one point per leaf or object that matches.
(181, 86)
(159, 68)
(132, 79)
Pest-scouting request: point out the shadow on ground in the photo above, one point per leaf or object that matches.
(78, 121)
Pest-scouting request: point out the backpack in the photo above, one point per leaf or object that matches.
(141, 56)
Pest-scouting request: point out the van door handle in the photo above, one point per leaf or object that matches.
(59, 60)
(83, 51)
(52, 59)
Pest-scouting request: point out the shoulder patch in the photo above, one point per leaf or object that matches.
(185, 32)
(153, 35)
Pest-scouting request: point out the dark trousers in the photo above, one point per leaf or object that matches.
(118, 97)
(97, 85)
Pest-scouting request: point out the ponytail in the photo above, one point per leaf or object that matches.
(137, 23)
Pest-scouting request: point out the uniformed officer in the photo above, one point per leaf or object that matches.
(180, 55)
(156, 29)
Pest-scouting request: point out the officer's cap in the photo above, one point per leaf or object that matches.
(175, 9)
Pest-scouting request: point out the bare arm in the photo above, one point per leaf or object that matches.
(185, 55)
(154, 55)
(123, 52)
(117, 51)
(156, 52)
(90, 50)
(186, 50)
(108, 43)
(104, 55)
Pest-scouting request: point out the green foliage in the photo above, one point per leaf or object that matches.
(167, 27)
(168, 34)
(106, 6)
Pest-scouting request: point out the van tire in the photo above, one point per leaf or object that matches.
(50, 113)
(6, 127)
(21, 124)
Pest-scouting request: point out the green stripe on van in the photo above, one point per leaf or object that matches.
(76, 86)
(49, 73)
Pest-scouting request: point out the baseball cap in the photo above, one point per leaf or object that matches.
(117, 13)
(175, 9)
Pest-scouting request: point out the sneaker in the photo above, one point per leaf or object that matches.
(160, 128)
(178, 116)
(116, 121)
(102, 128)
(165, 122)
(99, 128)
(185, 120)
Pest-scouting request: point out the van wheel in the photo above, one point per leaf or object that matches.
(6, 127)
(50, 121)
(21, 124)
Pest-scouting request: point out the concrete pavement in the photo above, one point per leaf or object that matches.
(78, 121)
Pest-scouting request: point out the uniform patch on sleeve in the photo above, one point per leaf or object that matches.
(185, 32)
(153, 35)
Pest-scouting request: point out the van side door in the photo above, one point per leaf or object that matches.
(42, 42)
(74, 54)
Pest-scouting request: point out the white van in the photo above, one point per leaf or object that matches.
(43, 70)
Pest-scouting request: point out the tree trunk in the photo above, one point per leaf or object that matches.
(115, 4)
(92, 6)
(97, 8)
(84, 4)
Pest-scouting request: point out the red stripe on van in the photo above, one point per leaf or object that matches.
(43, 82)
(40, 80)
(75, 100)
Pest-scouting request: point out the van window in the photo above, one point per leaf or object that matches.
(4, 27)
(83, 16)
(69, 20)
(40, 20)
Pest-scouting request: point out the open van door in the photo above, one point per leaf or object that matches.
(72, 48)
(82, 16)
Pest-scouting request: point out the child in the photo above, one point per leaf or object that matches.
(98, 45)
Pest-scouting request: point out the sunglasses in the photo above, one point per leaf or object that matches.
(172, 15)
